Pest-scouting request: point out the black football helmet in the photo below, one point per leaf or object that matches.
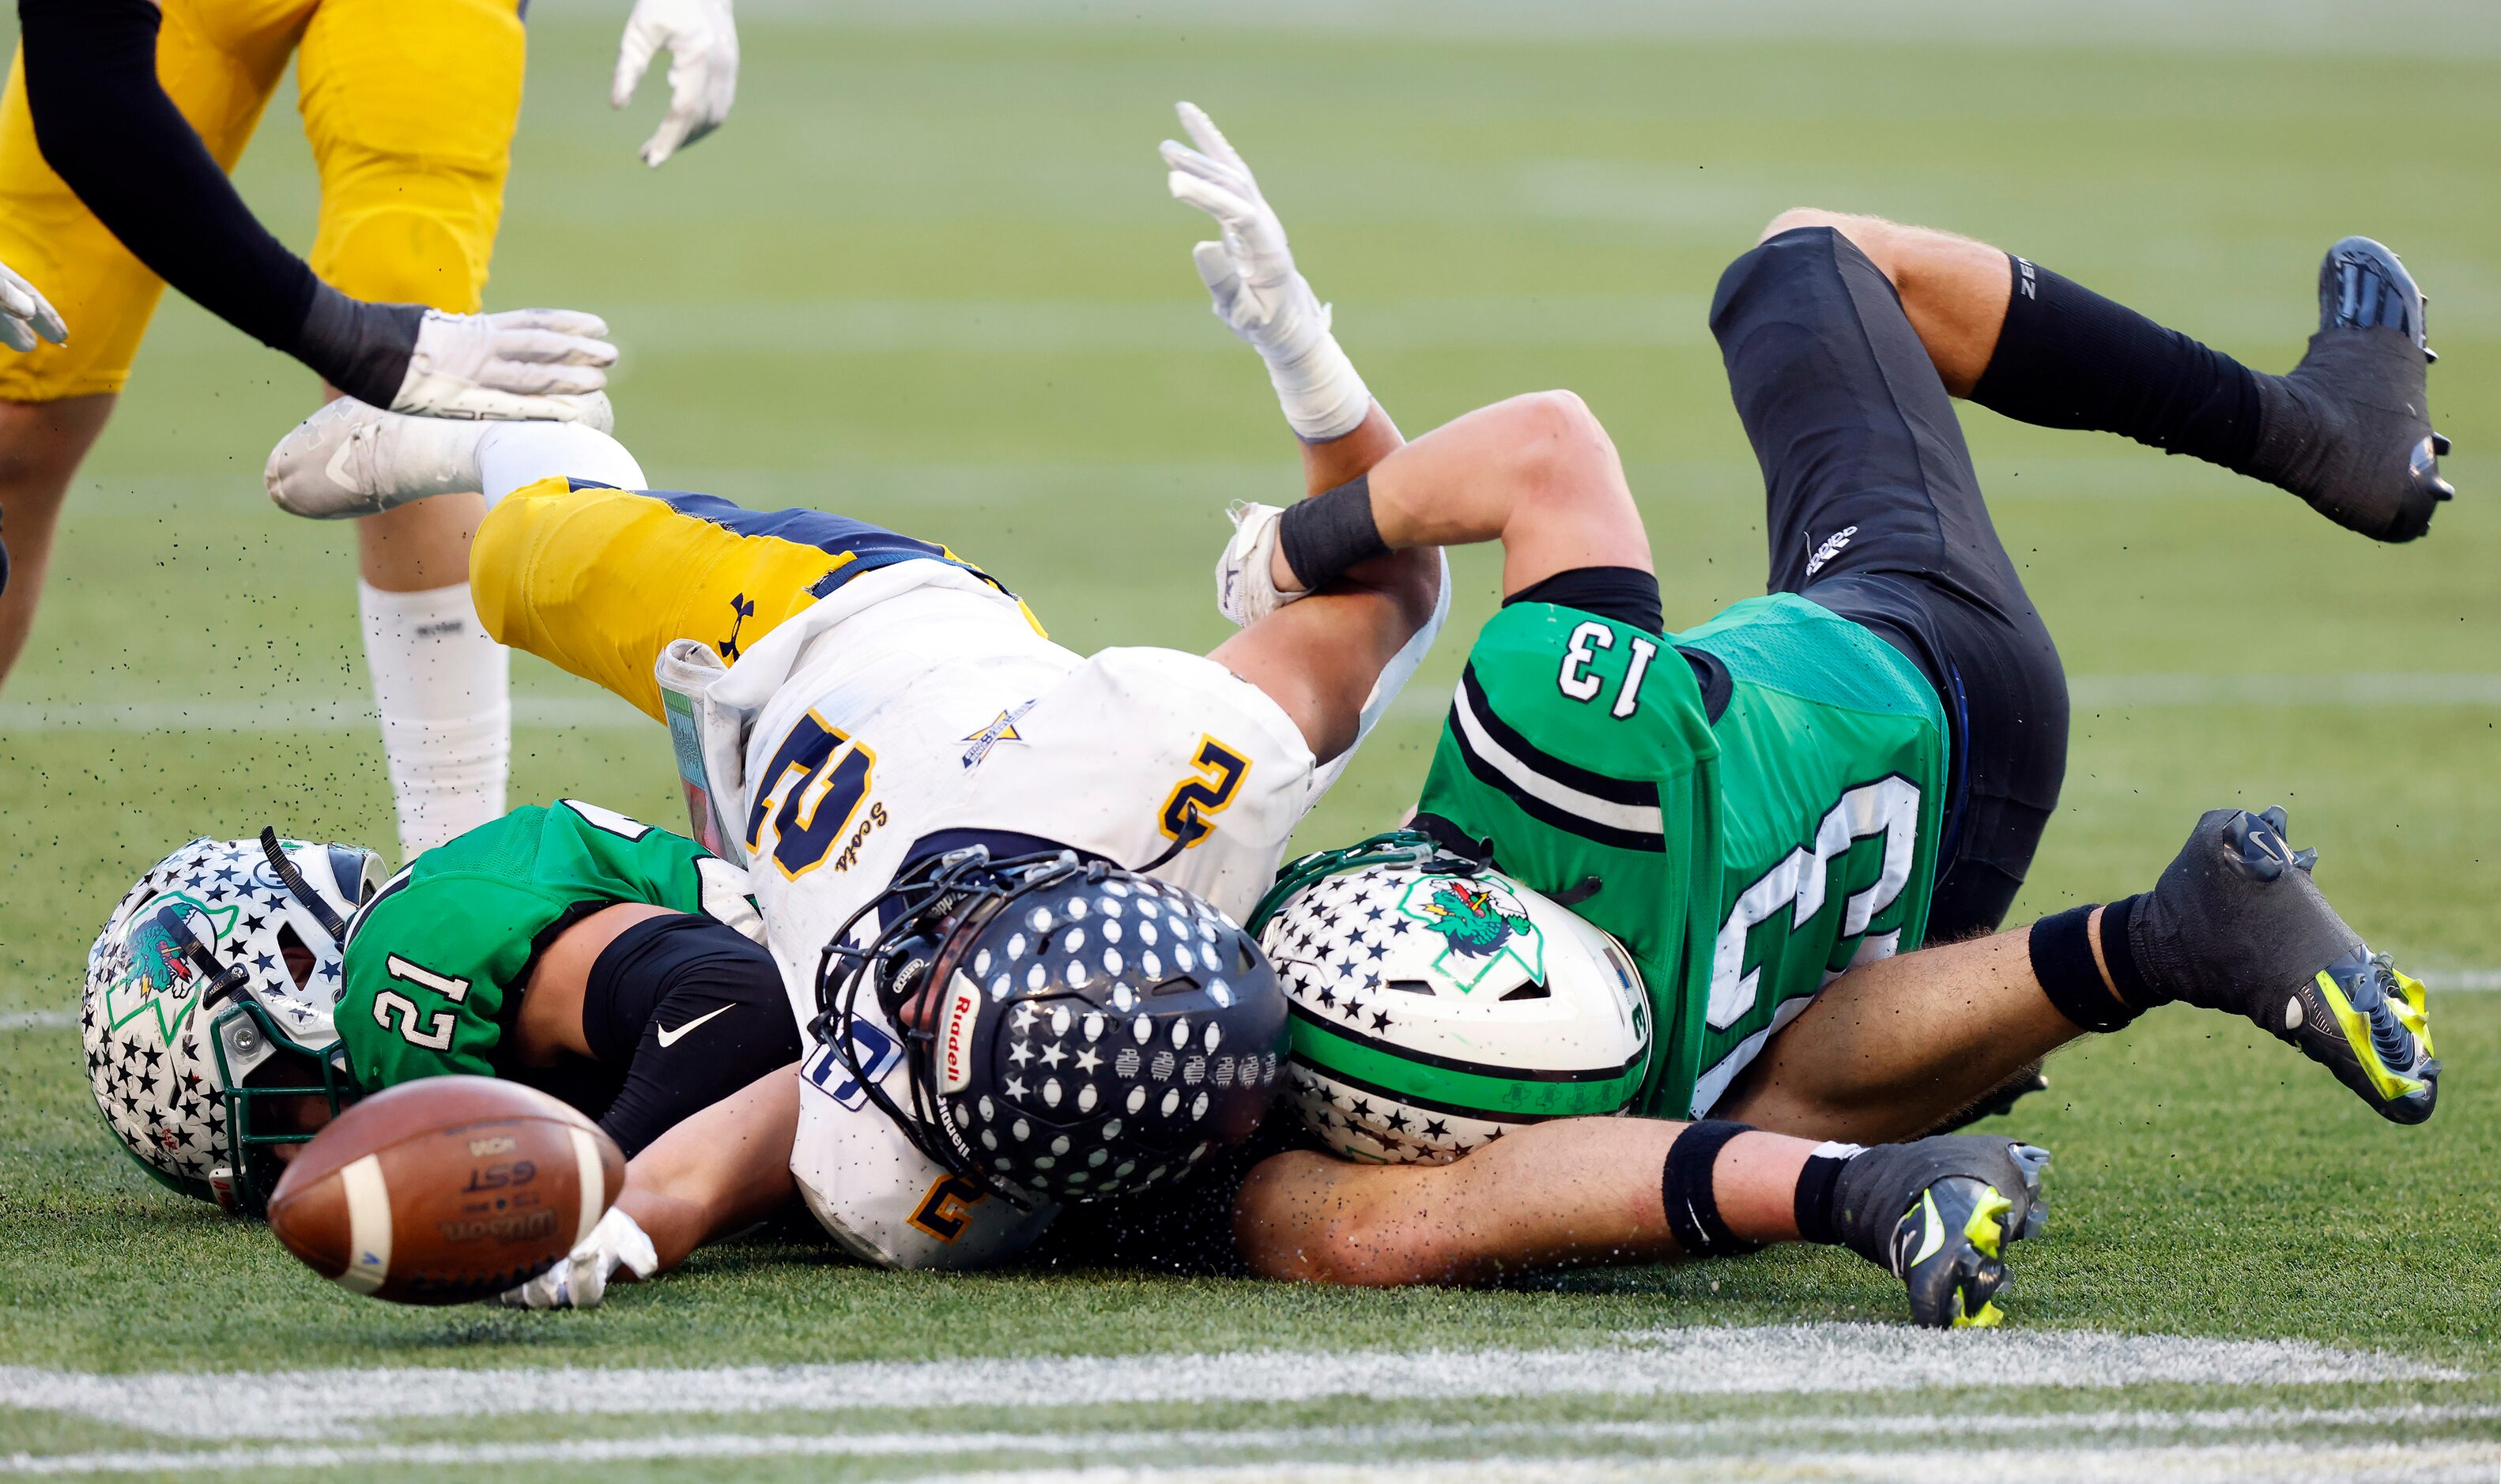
(1072, 1030)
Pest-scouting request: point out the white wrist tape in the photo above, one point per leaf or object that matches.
(1322, 396)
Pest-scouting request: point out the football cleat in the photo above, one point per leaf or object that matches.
(2349, 429)
(352, 459)
(1938, 1213)
(2237, 924)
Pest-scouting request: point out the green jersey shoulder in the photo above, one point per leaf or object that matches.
(436, 962)
(1749, 807)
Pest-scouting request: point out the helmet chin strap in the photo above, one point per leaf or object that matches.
(302, 890)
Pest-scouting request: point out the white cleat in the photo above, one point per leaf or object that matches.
(353, 459)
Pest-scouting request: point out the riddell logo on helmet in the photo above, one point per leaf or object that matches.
(955, 1033)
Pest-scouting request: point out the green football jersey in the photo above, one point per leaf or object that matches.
(436, 962)
(1746, 846)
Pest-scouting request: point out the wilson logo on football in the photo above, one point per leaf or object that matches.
(955, 1034)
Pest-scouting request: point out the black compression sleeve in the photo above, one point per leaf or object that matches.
(106, 127)
(1330, 532)
(1627, 595)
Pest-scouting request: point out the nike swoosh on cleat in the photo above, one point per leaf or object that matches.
(670, 1037)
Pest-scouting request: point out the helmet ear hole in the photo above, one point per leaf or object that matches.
(297, 955)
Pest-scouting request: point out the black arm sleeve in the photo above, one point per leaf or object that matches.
(107, 128)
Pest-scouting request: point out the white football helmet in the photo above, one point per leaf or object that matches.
(210, 988)
(1438, 1003)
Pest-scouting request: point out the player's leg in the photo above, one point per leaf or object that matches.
(2346, 430)
(41, 447)
(54, 400)
(1892, 1048)
(577, 562)
(1557, 1195)
(1873, 511)
(411, 112)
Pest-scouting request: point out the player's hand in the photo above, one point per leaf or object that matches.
(25, 314)
(548, 365)
(1246, 580)
(580, 1280)
(1250, 271)
(702, 42)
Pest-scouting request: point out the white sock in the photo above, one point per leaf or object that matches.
(442, 687)
(513, 454)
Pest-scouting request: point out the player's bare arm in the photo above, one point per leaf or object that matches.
(718, 1172)
(1375, 615)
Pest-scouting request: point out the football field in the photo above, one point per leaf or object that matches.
(928, 275)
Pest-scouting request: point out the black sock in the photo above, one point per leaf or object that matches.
(1818, 1220)
(2062, 961)
(2070, 358)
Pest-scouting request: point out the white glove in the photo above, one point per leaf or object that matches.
(542, 365)
(580, 1280)
(702, 42)
(1249, 274)
(25, 314)
(1246, 575)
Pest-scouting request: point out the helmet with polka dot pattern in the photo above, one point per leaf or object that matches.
(1072, 1030)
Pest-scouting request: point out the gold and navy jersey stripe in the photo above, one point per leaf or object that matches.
(599, 581)
(849, 547)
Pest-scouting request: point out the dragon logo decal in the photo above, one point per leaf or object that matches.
(159, 976)
(1480, 925)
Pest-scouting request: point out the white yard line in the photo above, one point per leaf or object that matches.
(38, 1020)
(2470, 1463)
(263, 716)
(1765, 1360)
(1585, 1440)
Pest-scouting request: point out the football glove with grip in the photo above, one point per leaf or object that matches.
(1245, 581)
(1251, 277)
(2237, 924)
(25, 314)
(701, 38)
(580, 1280)
(547, 365)
(1936, 1213)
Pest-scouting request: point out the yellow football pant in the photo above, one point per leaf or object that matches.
(410, 106)
(598, 582)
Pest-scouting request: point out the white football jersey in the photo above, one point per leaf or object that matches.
(917, 701)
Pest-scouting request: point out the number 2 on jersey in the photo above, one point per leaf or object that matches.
(811, 789)
(1186, 812)
(1575, 681)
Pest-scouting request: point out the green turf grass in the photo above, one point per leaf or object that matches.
(930, 276)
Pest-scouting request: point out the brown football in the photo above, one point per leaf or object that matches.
(446, 1190)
